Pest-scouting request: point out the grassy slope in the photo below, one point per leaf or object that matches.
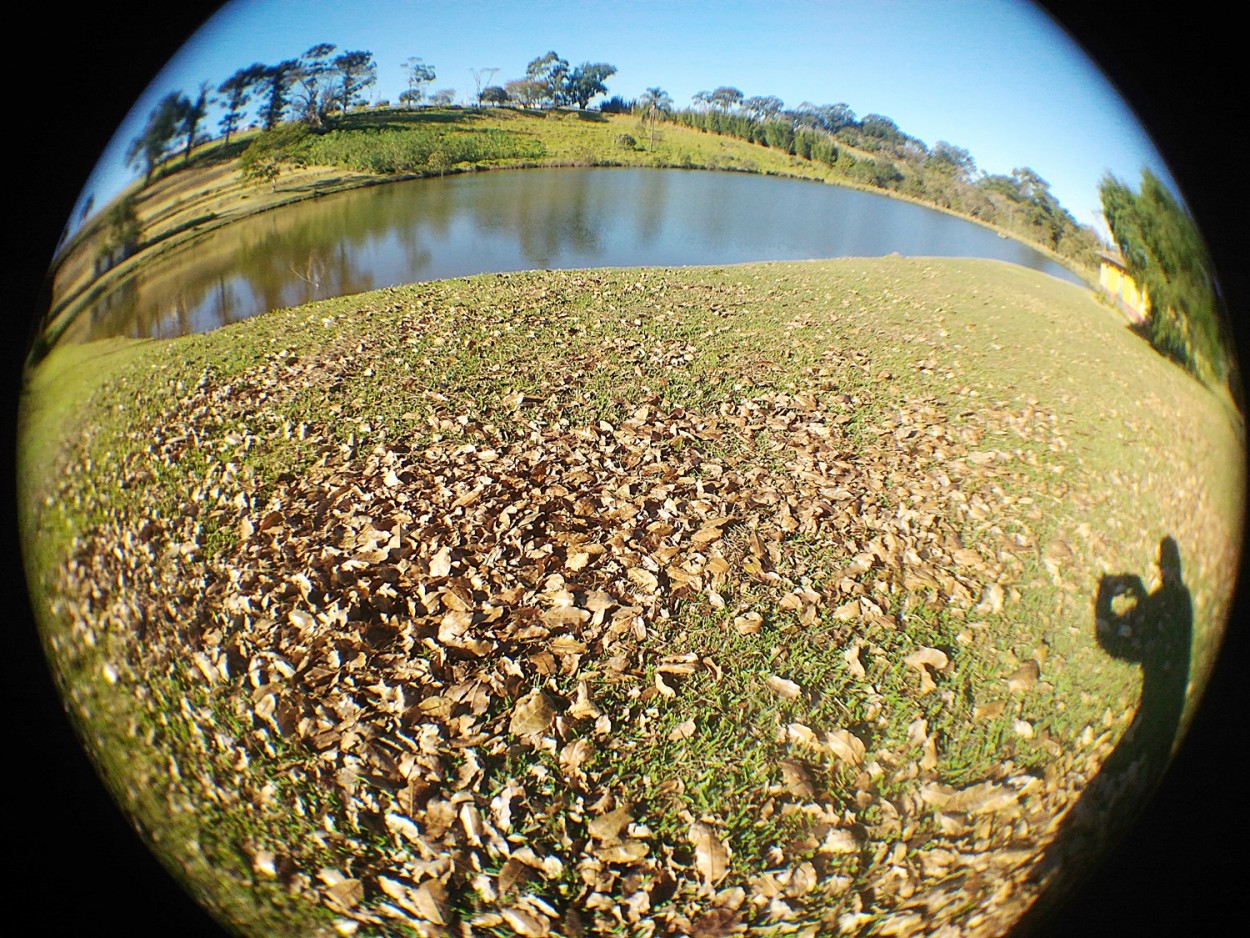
(1071, 449)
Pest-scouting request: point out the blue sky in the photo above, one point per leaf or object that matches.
(996, 77)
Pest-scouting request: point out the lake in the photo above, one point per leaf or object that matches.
(431, 229)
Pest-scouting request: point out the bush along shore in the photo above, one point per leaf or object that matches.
(631, 601)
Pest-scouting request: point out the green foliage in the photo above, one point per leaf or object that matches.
(586, 81)
(950, 160)
(123, 231)
(190, 113)
(273, 150)
(313, 96)
(237, 91)
(418, 149)
(550, 73)
(419, 73)
(276, 81)
(653, 103)
(616, 105)
(879, 172)
(494, 95)
(356, 71)
(779, 135)
(625, 141)
(1164, 253)
(149, 147)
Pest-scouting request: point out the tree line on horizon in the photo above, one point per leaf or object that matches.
(325, 82)
(1162, 248)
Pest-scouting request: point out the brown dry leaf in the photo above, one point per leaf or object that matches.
(967, 558)
(711, 857)
(986, 797)
(627, 851)
(708, 534)
(532, 715)
(797, 779)
(608, 827)
(683, 730)
(644, 578)
(344, 895)
(786, 689)
(527, 924)
(1024, 677)
(922, 660)
(800, 733)
(264, 862)
(847, 611)
(748, 623)
(430, 901)
(918, 734)
(846, 746)
(584, 708)
(512, 873)
(453, 631)
(440, 563)
(838, 841)
(991, 600)
(988, 711)
(851, 656)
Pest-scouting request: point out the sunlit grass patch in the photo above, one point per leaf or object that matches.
(621, 597)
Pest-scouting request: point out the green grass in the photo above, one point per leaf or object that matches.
(956, 401)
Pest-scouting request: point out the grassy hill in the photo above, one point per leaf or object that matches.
(596, 601)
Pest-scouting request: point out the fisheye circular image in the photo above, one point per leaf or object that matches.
(643, 468)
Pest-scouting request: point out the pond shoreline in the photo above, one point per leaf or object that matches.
(728, 239)
(192, 216)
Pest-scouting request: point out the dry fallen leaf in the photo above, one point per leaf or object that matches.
(797, 778)
(988, 711)
(922, 660)
(430, 901)
(748, 623)
(440, 563)
(528, 924)
(683, 730)
(786, 689)
(1024, 677)
(851, 656)
(991, 600)
(846, 746)
(532, 715)
(711, 857)
(608, 827)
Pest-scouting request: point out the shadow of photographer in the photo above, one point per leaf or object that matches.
(1154, 630)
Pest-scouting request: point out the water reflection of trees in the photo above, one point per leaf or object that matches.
(553, 220)
(433, 228)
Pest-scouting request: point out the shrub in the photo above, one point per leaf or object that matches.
(626, 141)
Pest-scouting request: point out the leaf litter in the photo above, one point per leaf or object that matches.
(462, 620)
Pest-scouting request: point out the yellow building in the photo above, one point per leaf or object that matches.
(1114, 278)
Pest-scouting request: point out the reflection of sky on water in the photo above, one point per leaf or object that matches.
(518, 220)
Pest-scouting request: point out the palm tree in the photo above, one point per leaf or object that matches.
(654, 102)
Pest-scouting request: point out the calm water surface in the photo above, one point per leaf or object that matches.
(430, 229)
